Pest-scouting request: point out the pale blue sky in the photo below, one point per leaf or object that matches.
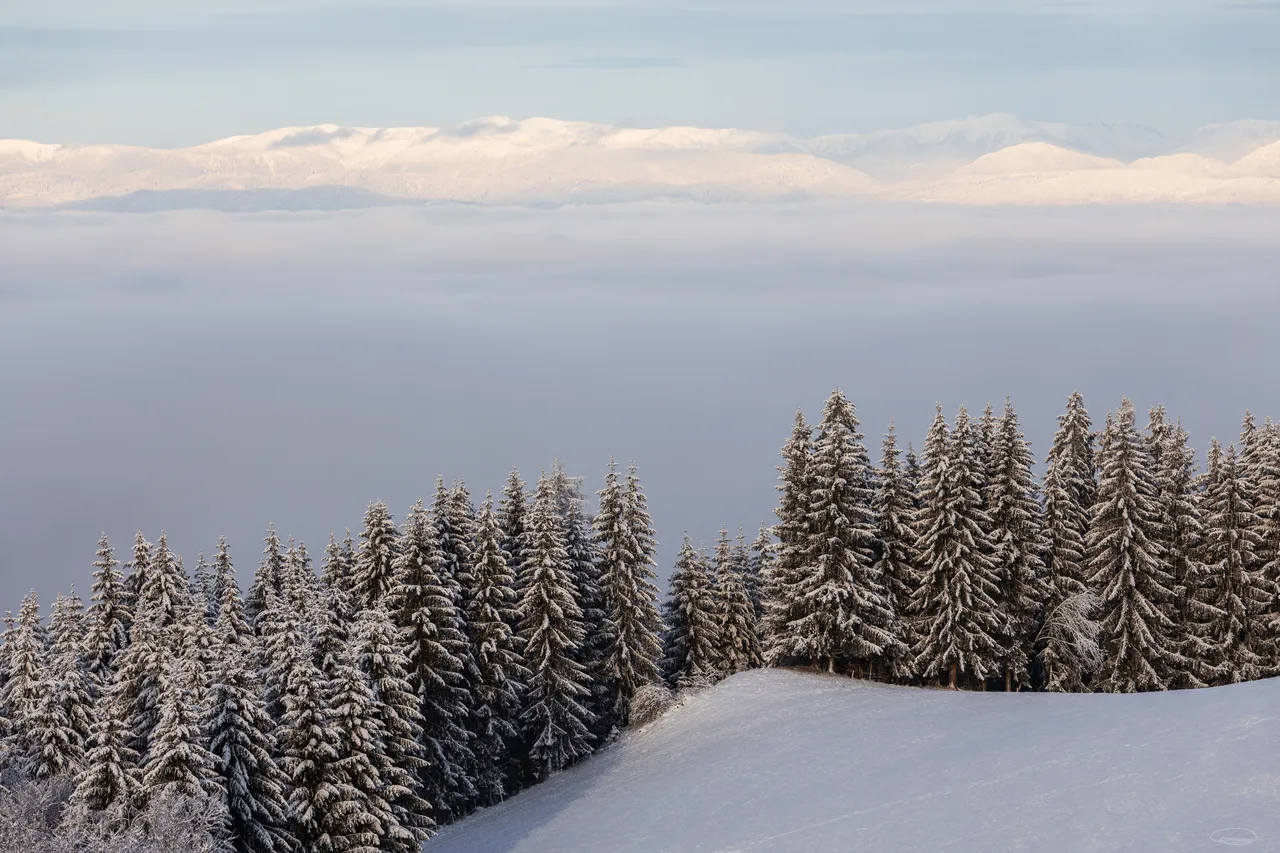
(175, 73)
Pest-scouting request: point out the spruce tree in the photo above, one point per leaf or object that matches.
(399, 757)
(107, 628)
(954, 609)
(241, 734)
(201, 588)
(1070, 486)
(738, 648)
(627, 545)
(425, 608)
(1128, 573)
(1267, 513)
(1017, 541)
(111, 780)
(761, 565)
(64, 711)
(554, 720)
(27, 660)
(177, 758)
(894, 510)
(513, 511)
(691, 642)
(496, 693)
(795, 487)
(375, 560)
(268, 580)
(841, 610)
(137, 574)
(1236, 638)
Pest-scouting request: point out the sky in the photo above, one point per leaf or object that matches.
(208, 374)
(179, 73)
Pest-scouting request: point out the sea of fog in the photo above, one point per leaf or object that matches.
(207, 373)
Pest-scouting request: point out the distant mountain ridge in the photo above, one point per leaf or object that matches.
(994, 159)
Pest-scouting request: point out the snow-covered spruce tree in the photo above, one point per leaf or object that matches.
(761, 556)
(221, 570)
(513, 510)
(241, 735)
(624, 533)
(1235, 590)
(112, 777)
(795, 487)
(64, 711)
(375, 560)
(137, 573)
(399, 759)
(738, 647)
(1128, 573)
(894, 510)
(554, 720)
(27, 660)
(1070, 485)
(358, 741)
(1181, 540)
(1017, 542)
(691, 641)
(911, 475)
(425, 608)
(178, 760)
(201, 588)
(1267, 513)
(953, 610)
(268, 580)
(842, 612)
(300, 585)
(501, 674)
(107, 623)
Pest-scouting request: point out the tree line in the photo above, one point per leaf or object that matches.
(442, 664)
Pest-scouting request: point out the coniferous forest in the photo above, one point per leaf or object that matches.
(358, 699)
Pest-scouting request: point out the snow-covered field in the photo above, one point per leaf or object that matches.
(788, 762)
(993, 159)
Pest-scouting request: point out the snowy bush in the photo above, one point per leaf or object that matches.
(649, 703)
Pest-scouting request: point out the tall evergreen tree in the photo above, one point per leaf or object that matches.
(795, 487)
(691, 641)
(107, 628)
(375, 560)
(1267, 513)
(627, 545)
(739, 641)
(268, 580)
(1017, 541)
(894, 509)
(513, 511)
(425, 608)
(761, 565)
(201, 588)
(27, 659)
(399, 757)
(137, 572)
(496, 693)
(954, 609)
(841, 609)
(111, 780)
(1070, 486)
(64, 711)
(177, 758)
(1236, 638)
(554, 720)
(1129, 575)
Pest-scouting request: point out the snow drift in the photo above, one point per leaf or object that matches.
(539, 161)
(787, 762)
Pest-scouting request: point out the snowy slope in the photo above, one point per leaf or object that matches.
(783, 762)
(539, 161)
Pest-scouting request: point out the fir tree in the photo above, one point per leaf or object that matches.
(1017, 542)
(1236, 590)
(1069, 488)
(111, 780)
(841, 611)
(625, 535)
(796, 488)
(108, 619)
(425, 608)
(894, 510)
(554, 720)
(137, 574)
(1267, 514)
(691, 641)
(64, 711)
(1131, 581)
(761, 565)
(375, 560)
(178, 759)
(27, 658)
(399, 759)
(738, 647)
(513, 510)
(201, 588)
(954, 608)
(496, 692)
(299, 582)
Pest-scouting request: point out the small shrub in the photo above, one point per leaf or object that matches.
(649, 703)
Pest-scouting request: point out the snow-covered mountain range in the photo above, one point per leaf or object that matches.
(779, 762)
(993, 159)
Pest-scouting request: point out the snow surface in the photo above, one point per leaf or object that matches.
(791, 762)
(539, 161)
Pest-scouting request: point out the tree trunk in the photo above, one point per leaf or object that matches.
(831, 663)
(953, 673)
(1008, 680)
